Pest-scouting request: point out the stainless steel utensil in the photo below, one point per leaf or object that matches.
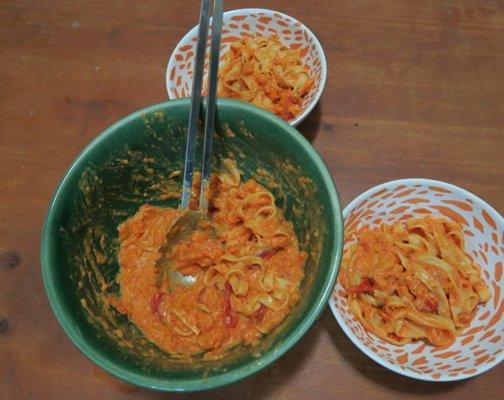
(190, 220)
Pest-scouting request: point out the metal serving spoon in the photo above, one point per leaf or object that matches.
(190, 220)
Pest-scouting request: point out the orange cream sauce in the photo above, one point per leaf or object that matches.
(210, 317)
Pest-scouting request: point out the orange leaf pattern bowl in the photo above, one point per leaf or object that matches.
(252, 22)
(481, 346)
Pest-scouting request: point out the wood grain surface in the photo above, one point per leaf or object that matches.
(414, 89)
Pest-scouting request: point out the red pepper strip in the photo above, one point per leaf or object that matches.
(430, 305)
(268, 252)
(155, 303)
(230, 317)
(366, 286)
(259, 314)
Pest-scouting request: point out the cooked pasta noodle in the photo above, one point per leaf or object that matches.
(247, 276)
(413, 280)
(265, 73)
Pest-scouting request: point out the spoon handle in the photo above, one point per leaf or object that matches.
(195, 105)
(211, 104)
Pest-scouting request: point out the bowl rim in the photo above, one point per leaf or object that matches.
(187, 385)
(320, 50)
(332, 303)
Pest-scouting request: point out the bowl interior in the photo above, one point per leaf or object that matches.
(251, 22)
(481, 345)
(129, 165)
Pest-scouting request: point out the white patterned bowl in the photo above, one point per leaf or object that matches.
(481, 346)
(251, 22)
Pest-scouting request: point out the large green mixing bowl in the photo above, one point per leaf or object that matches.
(128, 165)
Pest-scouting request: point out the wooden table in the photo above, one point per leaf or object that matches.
(415, 89)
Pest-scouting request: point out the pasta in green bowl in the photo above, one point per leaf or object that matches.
(132, 165)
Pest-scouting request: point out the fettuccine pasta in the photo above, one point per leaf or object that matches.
(413, 280)
(265, 73)
(248, 269)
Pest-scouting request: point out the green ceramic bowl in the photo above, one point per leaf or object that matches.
(128, 165)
